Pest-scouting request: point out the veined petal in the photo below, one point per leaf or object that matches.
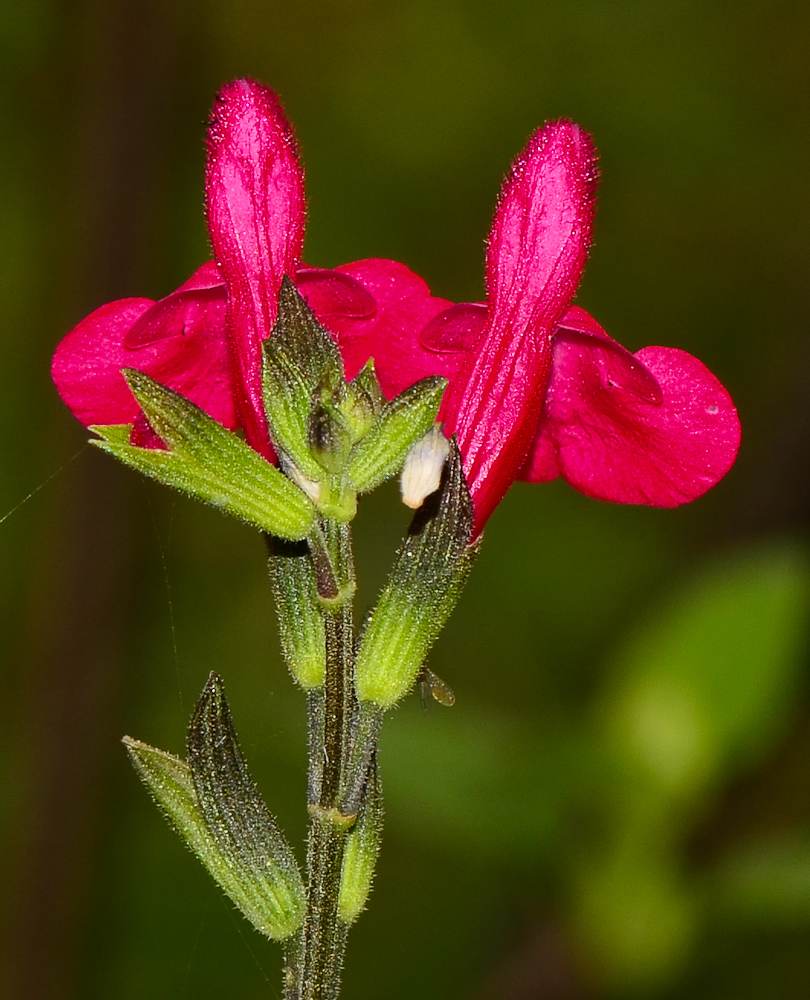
(617, 366)
(610, 443)
(537, 249)
(330, 294)
(255, 208)
(175, 313)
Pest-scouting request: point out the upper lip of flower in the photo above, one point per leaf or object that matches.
(538, 389)
(255, 209)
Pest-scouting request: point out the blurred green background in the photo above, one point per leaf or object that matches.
(619, 803)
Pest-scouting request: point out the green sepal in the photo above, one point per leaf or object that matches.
(328, 431)
(300, 618)
(301, 366)
(266, 883)
(208, 462)
(362, 849)
(430, 570)
(170, 783)
(406, 419)
(365, 400)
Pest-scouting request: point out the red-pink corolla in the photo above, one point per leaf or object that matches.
(204, 339)
(537, 388)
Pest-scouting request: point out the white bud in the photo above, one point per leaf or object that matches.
(422, 471)
(309, 486)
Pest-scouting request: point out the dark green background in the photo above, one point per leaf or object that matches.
(619, 803)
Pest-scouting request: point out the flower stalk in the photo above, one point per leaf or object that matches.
(323, 935)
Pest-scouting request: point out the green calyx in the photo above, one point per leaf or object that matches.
(213, 804)
(300, 612)
(208, 462)
(430, 570)
(362, 849)
(334, 438)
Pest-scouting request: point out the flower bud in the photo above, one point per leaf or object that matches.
(422, 471)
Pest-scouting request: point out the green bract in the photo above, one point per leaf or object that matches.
(208, 462)
(303, 384)
(360, 857)
(406, 419)
(300, 616)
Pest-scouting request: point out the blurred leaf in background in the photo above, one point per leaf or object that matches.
(618, 804)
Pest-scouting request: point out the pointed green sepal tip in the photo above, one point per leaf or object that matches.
(239, 844)
(429, 573)
(403, 422)
(208, 462)
(362, 849)
(364, 402)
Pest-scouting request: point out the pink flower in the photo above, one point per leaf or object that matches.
(204, 339)
(537, 388)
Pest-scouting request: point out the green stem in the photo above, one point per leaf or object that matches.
(323, 936)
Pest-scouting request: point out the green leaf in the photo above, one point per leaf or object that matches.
(209, 462)
(430, 570)
(707, 680)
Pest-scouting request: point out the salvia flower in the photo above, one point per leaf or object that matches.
(537, 388)
(203, 340)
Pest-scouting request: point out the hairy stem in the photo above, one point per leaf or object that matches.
(323, 936)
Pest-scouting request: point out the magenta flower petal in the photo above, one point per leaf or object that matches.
(331, 295)
(536, 253)
(255, 207)
(617, 366)
(87, 364)
(179, 340)
(184, 307)
(610, 442)
(458, 328)
(404, 306)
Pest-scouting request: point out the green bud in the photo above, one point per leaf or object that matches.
(362, 849)
(208, 462)
(364, 401)
(301, 366)
(406, 419)
(328, 432)
(300, 621)
(430, 570)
